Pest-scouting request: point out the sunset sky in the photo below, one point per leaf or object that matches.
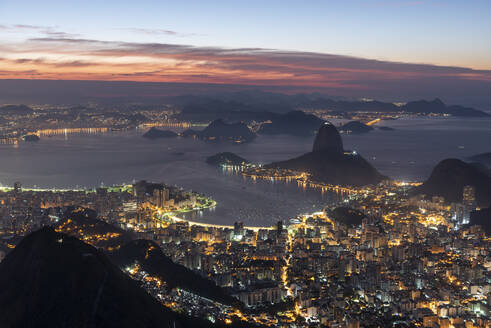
(348, 44)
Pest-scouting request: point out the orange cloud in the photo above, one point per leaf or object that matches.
(82, 59)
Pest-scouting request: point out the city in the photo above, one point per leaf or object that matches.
(213, 164)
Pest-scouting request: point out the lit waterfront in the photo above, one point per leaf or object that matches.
(113, 157)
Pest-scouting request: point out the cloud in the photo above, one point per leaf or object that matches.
(158, 32)
(78, 58)
(48, 31)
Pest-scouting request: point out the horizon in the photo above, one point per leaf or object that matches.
(376, 49)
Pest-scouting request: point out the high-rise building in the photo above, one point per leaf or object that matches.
(469, 196)
(469, 202)
(160, 196)
(239, 230)
(279, 227)
(17, 187)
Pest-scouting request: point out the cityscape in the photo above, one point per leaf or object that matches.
(165, 168)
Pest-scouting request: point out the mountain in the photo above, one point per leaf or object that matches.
(82, 223)
(151, 258)
(355, 127)
(484, 158)
(328, 140)
(386, 128)
(218, 130)
(190, 133)
(329, 163)
(295, 123)
(226, 159)
(438, 107)
(154, 133)
(449, 177)
(54, 280)
(30, 138)
(16, 109)
(482, 218)
(347, 216)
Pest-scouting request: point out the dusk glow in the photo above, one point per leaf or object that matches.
(383, 43)
(245, 164)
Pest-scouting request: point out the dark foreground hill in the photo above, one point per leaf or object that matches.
(152, 260)
(329, 163)
(54, 280)
(482, 218)
(449, 177)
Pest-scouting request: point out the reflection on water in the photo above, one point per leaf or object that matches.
(410, 151)
(66, 131)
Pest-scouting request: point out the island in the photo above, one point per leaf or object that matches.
(155, 133)
(226, 159)
(385, 128)
(30, 138)
(219, 130)
(355, 127)
(329, 163)
(295, 123)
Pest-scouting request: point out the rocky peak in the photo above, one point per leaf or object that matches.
(328, 139)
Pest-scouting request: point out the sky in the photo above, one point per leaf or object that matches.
(357, 45)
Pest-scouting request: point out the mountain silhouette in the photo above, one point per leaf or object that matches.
(329, 163)
(53, 280)
(449, 177)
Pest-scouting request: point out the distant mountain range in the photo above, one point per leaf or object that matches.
(483, 158)
(329, 163)
(449, 177)
(239, 107)
(16, 109)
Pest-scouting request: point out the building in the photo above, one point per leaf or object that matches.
(469, 202)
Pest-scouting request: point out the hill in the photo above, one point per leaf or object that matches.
(218, 130)
(438, 107)
(16, 109)
(449, 177)
(83, 224)
(30, 138)
(154, 133)
(484, 158)
(482, 218)
(329, 163)
(54, 280)
(293, 123)
(355, 127)
(152, 259)
(347, 216)
(226, 158)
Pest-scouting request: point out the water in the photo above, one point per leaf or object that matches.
(409, 152)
